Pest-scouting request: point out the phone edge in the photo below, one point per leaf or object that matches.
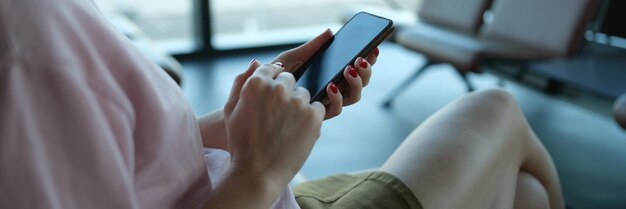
(321, 94)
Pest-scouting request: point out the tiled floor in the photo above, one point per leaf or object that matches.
(587, 146)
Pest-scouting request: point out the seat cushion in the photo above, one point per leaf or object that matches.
(463, 50)
(441, 45)
(492, 48)
(460, 15)
(557, 25)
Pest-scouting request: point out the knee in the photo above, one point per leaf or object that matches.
(494, 96)
(491, 99)
(530, 193)
(619, 110)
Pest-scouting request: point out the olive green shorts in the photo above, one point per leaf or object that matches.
(374, 190)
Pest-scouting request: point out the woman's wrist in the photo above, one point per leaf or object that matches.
(242, 188)
(213, 130)
(258, 182)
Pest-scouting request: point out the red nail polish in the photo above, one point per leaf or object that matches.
(333, 88)
(352, 71)
(363, 63)
(376, 51)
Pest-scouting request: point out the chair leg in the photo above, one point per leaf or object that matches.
(468, 84)
(399, 89)
(519, 76)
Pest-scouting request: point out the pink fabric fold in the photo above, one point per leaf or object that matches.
(88, 122)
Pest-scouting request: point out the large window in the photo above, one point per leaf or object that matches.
(177, 25)
(168, 23)
(250, 23)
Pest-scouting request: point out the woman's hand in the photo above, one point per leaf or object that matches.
(356, 75)
(270, 124)
(349, 92)
(271, 129)
(346, 93)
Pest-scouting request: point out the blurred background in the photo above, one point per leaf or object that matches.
(564, 61)
(236, 24)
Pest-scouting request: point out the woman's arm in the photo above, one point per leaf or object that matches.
(213, 130)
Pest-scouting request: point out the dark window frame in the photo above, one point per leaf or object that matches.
(202, 26)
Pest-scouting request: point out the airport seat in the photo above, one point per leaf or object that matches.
(516, 30)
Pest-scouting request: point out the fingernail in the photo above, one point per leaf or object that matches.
(327, 31)
(352, 71)
(363, 63)
(279, 64)
(333, 88)
(251, 62)
(376, 51)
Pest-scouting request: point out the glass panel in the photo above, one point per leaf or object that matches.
(250, 23)
(168, 23)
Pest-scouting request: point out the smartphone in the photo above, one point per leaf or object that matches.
(357, 38)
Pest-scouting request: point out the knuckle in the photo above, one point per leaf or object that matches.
(256, 80)
(284, 53)
(240, 77)
(265, 68)
(298, 103)
(303, 91)
(367, 73)
(357, 98)
(269, 66)
(306, 92)
(352, 98)
(278, 89)
(310, 113)
(316, 112)
(288, 76)
(339, 110)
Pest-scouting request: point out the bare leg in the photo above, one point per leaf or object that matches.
(476, 153)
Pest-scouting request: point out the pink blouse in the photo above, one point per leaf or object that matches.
(87, 122)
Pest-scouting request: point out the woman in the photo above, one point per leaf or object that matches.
(87, 122)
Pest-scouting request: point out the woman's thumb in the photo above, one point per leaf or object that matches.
(314, 45)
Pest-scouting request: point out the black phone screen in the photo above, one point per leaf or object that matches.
(355, 39)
